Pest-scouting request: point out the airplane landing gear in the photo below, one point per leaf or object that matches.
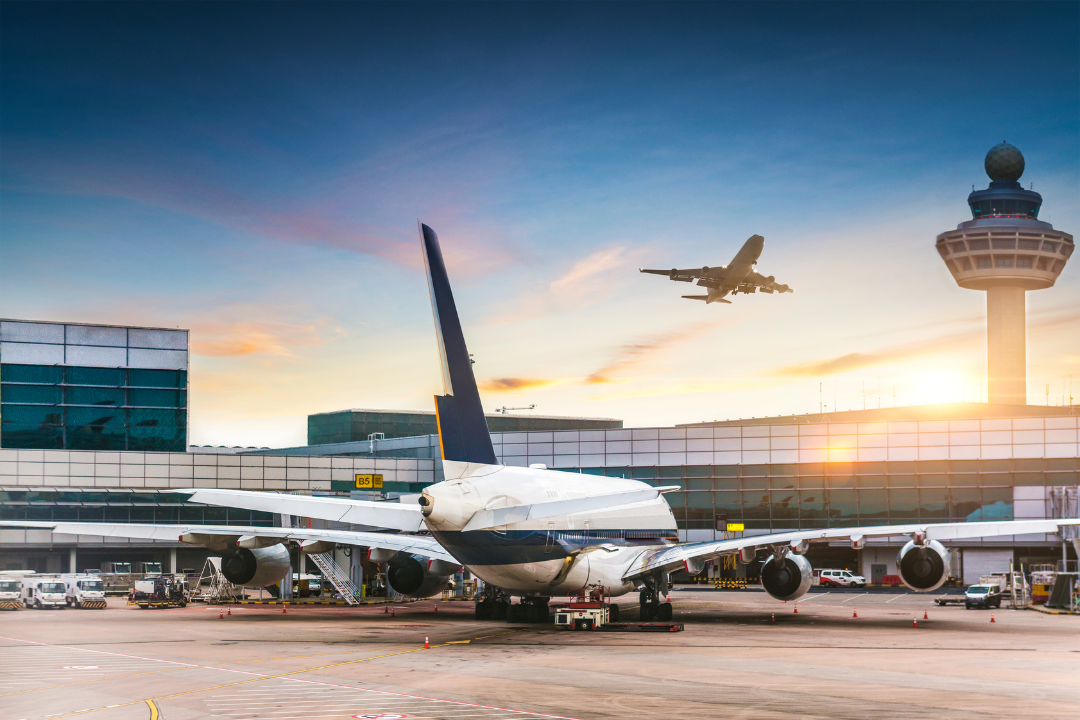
(493, 604)
(530, 610)
(649, 601)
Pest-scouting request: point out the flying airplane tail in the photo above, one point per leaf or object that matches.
(463, 430)
(696, 297)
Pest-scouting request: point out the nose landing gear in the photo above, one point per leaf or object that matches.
(649, 601)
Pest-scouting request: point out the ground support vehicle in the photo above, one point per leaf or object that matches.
(84, 591)
(838, 578)
(44, 591)
(583, 615)
(10, 593)
(159, 591)
(987, 593)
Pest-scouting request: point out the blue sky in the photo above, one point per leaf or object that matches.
(255, 172)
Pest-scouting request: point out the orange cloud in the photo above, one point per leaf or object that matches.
(636, 353)
(513, 384)
(214, 339)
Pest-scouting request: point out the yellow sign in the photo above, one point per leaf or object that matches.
(369, 482)
(731, 527)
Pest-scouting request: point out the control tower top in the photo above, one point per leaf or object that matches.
(1005, 198)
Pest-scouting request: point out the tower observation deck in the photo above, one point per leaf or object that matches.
(1005, 250)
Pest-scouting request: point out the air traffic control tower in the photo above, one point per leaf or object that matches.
(1005, 250)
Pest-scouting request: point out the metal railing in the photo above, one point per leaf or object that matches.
(340, 580)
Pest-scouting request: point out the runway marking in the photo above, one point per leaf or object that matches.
(153, 710)
(813, 597)
(896, 598)
(387, 696)
(854, 596)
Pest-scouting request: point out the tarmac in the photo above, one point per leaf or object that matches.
(741, 655)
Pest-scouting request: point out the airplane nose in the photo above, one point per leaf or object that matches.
(757, 242)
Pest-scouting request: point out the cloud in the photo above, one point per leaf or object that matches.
(216, 339)
(633, 354)
(855, 360)
(589, 267)
(513, 384)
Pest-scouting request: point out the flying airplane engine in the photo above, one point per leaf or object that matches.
(256, 567)
(418, 576)
(788, 578)
(923, 567)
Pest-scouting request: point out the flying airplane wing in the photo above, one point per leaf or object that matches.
(389, 515)
(766, 284)
(677, 557)
(690, 274)
(230, 535)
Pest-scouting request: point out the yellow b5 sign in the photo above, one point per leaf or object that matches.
(369, 482)
(731, 527)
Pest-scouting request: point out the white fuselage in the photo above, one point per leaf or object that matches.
(551, 556)
(741, 266)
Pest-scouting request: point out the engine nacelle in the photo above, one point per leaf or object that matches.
(410, 576)
(256, 567)
(923, 567)
(787, 579)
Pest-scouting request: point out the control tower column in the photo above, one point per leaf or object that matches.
(1006, 345)
(1005, 250)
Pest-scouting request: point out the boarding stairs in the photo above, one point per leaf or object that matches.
(220, 590)
(338, 578)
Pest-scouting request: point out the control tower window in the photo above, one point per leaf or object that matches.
(1003, 262)
(1050, 247)
(984, 261)
(1024, 261)
(979, 244)
(1029, 244)
(1004, 244)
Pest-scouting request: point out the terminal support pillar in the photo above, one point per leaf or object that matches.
(72, 554)
(1006, 345)
(172, 561)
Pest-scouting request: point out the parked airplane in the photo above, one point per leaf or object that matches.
(738, 277)
(532, 533)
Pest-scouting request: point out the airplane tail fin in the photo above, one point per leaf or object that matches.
(463, 430)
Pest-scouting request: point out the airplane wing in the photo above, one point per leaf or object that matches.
(675, 558)
(228, 535)
(390, 515)
(767, 284)
(690, 274)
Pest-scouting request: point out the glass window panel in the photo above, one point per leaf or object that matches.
(1058, 479)
(1029, 478)
(156, 398)
(964, 480)
(699, 506)
(873, 504)
(65, 512)
(903, 502)
(933, 466)
(812, 504)
(640, 473)
(902, 481)
(843, 505)
(46, 394)
(755, 483)
(756, 505)
(95, 376)
(785, 505)
(157, 378)
(116, 513)
(243, 517)
(839, 468)
(94, 396)
(699, 484)
(728, 503)
(726, 483)
(780, 483)
(997, 504)
(726, 471)
(811, 469)
(699, 471)
(168, 515)
(191, 514)
(871, 481)
(841, 482)
(91, 514)
(671, 472)
(966, 503)
(264, 518)
(964, 466)
(618, 472)
(142, 514)
(995, 466)
(934, 503)
(30, 415)
(1035, 464)
(871, 468)
(216, 515)
(755, 470)
(1060, 464)
(811, 481)
(933, 480)
(47, 374)
(785, 469)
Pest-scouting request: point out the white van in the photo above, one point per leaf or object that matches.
(839, 578)
(44, 591)
(10, 592)
(84, 591)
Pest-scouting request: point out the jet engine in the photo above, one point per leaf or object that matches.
(787, 579)
(771, 279)
(256, 567)
(418, 576)
(923, 567)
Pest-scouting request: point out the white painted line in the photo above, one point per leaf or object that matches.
(896, 598)
(854, 596)
(813, 597)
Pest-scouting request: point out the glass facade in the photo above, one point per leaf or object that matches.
(817, 495)
(125, 507)
(92, 408)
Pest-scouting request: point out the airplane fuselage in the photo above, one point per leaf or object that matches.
(552, 556)
(741, 266)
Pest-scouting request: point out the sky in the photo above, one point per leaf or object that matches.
(255, 172)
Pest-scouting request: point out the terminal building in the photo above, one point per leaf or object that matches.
(95, 429)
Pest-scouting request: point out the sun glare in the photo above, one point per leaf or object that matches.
(938, 386)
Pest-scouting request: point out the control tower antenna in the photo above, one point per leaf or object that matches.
(1005, 250)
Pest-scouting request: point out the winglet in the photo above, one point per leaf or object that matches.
(463, 430)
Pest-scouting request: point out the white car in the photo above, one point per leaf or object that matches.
(840, 578)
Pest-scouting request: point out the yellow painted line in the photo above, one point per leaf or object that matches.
(153, 710)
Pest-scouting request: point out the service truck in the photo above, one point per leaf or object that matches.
(84, 591)
(10, 593)
(987, 593)
(44, 591)
(159, 591)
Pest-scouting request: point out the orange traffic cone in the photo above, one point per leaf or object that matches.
(386, 609)
(796, 610)
(427, 645)
(284, 610)
(914, 622)
(220, 616)
(991, 617)
(856, 613)
(773, 617)
(229, 611)
(925, 616)
(436, 607)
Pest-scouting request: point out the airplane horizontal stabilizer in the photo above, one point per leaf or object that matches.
(696, 297)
